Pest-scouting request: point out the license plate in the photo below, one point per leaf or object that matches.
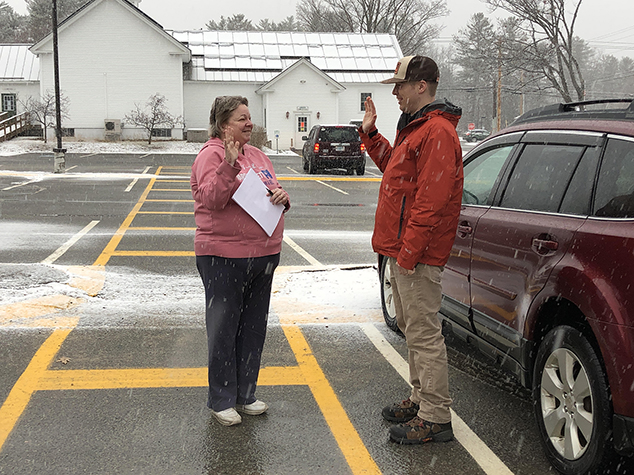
(340, 148)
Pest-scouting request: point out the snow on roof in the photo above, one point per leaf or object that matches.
(17, 63)
(259, 56)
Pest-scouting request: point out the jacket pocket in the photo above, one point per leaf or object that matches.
(401, 217)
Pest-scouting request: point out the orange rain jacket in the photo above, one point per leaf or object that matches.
(421, 190)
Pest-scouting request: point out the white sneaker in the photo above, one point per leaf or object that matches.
(254, 409)
(228, 417)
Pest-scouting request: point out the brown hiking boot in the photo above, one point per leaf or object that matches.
(400, 412)
(419, 431)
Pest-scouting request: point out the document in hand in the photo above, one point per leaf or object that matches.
(252, 195)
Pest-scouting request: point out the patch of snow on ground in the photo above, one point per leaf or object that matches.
(131, 298)
(20, 145)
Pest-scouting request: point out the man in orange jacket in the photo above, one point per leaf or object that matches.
(415, 227)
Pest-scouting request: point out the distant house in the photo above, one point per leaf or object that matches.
(113, 56)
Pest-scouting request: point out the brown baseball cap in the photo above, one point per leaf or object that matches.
(414, 68)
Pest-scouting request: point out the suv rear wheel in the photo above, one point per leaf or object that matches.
(571, 401)
(361, 168)
(387, 298)
(311, 167)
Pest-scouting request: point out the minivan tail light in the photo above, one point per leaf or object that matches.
(362, 147)
(316, 148)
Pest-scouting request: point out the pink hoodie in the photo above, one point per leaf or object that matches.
(223, 228)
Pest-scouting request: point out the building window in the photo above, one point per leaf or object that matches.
(68, 132)
(302, 124)
(161, 132)
(9, 103)
(364, 96)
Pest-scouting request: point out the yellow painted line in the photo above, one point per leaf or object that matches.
(165, 212)
(179, 167)
(188, 190)
(152, 228)
(355, 452)
(108, 251)
(90, 279)
(165, 180)
(87, 379)
(322, 178)
(153, 253)
(169, 201)
(28, 383)
(36, 307)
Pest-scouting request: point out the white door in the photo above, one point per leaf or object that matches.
(302, 126)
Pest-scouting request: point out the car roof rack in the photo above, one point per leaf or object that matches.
(578, 110)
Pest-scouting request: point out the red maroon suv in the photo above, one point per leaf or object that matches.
(541, 275)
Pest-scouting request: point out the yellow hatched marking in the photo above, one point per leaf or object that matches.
(153, 253)
(355, 452)
(150, 228)
(169, 201)
(37, 307)
(108, 251)
(165, 212)
(172, 189)
(85, 379)
(28, 383)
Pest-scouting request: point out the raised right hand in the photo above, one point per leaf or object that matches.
(232, 147)
(369, 118)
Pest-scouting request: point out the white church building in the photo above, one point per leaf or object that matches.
(113, 56)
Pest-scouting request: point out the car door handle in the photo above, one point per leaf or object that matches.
(464, 229)
(544, 245)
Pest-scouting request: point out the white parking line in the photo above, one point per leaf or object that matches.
(301, 252)
(66, 246)
(133, 182)
(483, 455)
(330, 186)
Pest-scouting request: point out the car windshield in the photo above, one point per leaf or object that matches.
(338, 134)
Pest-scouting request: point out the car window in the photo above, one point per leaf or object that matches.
(615, 187)
(579, 192)
(541, 176)
(481, 173)
(339, 134)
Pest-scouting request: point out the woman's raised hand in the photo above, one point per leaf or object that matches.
(232, 147)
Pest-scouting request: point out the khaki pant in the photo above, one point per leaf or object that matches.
(417, 300)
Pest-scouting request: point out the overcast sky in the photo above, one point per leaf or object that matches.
(606, 24)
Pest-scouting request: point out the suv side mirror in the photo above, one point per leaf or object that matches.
(304, 137)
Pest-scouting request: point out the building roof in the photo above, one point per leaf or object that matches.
(259, 56)
(17, 63)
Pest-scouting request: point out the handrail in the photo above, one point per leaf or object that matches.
(13, 126)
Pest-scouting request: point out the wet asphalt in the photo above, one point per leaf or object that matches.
(103, 388)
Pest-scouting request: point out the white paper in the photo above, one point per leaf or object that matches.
(252, 195)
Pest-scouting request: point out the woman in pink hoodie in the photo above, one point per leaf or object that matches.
(235, 257)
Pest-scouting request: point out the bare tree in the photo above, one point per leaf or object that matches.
(154, 115)
(409, 20)
(550, 42)
(42, 111)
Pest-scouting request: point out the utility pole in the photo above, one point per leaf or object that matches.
(59, 153)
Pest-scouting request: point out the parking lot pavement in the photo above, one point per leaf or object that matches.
(106, 374)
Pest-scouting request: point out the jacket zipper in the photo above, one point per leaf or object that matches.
(400, 220)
